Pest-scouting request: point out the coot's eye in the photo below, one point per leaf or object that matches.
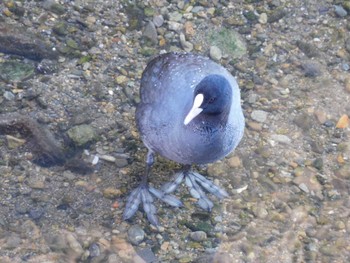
(211, 100)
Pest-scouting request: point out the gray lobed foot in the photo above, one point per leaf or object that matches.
(143, 194)
(196, 183)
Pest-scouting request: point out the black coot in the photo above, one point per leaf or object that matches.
(190, 112)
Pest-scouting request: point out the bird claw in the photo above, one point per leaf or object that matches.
(143, 194)
(196, 183)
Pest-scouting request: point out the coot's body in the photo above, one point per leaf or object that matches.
(167, 93)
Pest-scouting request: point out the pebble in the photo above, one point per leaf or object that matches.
(81, 134)
(12, 242)
(175, 26)
(234, 162)
(175, 16)
(186, 45)
(111, 192)
(158, 20)
(263, 18)
(121, 162)
(259, 115)
(36, 213)
(13, 142)
(136, 234)
(74, 243)
(189, 29)
(9, 95)
(340, 11)
(198, 236)
(215, 53)
(281, 138)
(150, 32)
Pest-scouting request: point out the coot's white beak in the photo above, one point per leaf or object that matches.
(198, 100)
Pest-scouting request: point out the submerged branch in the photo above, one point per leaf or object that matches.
(47, 149)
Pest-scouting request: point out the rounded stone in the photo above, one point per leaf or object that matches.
(136, 235)
(198, 236)
(215, 53)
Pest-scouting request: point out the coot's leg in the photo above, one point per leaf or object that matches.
(143, 193)
(196, 183)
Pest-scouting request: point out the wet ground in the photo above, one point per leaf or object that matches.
(70, 152)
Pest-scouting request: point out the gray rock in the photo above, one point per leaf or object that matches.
(82, 134)
(259, 115)
(186, 45)
(198, 236)
(13, 241)
(215, 53)
(136, 234)
(340, 11)
(150, 32)
(9, 95)
(158, 20)
(281, 138)
(175, 16)
(121, 162)
(175, 26)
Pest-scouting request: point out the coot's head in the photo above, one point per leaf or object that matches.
(212, 98)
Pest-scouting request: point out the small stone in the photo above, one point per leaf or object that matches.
(189, 29)
(281, 138)
(147, 255)
(175, 16)
(186, 45)
(261, 212)
(158, 20)
(259, 115)
(36, 213)
(94, 250)
(263, 18)
(111, 192)
(13, 241)
(36, 181)
(136, 234)
(9, 95)
(81, 134)
(149, 11)
(339, 225)
(91, 20)
(255, 126)
(215, 53)
(13, 142)
(321, 116)
(304, 121)
(175, 26)
(340, 11)
(343, 122)
(234, 162)
(150, 32)
(121, 162)
(303, 187)
(74, 244)
(121, 79)
(198, 236)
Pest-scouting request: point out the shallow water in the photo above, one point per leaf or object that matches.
(288, 180)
